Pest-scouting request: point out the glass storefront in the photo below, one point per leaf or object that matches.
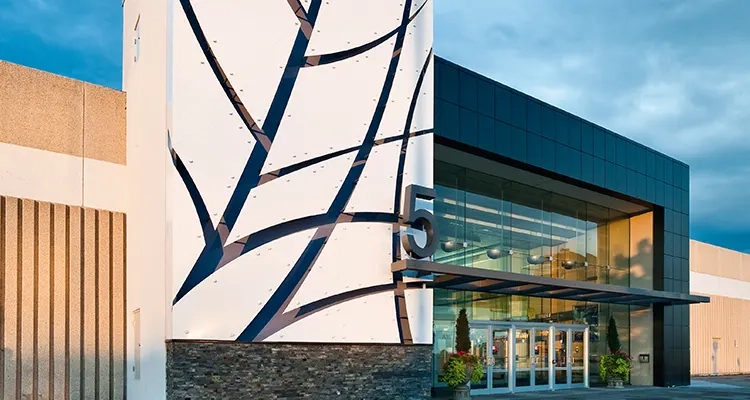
(494, 223)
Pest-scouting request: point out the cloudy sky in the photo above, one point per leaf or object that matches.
(672, 74)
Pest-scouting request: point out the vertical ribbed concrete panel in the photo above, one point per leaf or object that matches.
(75, 322)
(43, 297)
(104, 314)
(89, 303)
(27, 283)
(62, 303)
(11, 374)
(60, 321)
(118, 306)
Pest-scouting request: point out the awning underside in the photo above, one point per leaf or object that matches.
(455, 277)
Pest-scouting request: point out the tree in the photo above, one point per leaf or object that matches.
(613, 337)
(463, 343)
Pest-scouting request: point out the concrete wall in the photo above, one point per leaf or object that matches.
(62, 237)
(61, 140)
(642, 276)
(719, 340)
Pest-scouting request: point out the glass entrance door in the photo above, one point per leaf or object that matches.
(523, 367)
(571, 360)
(500, 356)
(541, 361)
(519, 357)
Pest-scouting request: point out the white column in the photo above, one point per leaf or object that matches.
(512, 359)
(551, 356)
(586, 357)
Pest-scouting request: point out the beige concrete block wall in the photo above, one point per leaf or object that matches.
(61, 140)
(63, 185)
(61, 317)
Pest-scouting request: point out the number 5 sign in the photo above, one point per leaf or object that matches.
(420, 219)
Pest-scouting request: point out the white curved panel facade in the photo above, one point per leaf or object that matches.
(323, 117)
(287, 128)
(220, 307)
(293, 192)
(343, 25)
(233, 29)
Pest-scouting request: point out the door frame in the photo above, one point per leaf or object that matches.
(532, 327)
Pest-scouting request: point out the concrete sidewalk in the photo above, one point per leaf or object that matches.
(712, 388)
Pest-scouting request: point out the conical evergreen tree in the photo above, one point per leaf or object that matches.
(613, 337)
(463, 343)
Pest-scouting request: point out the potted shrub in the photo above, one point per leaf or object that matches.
(462, 367)
(614, 368)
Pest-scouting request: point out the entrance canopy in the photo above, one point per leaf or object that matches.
(455, 277)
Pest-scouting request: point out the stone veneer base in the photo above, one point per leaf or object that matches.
(231, 370)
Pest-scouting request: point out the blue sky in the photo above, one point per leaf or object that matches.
(672, 74)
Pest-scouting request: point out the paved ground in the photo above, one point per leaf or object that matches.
(711, 388)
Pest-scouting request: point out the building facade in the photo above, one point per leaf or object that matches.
(331, 190)
(280, 244)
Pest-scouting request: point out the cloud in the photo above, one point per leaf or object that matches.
(671, 74)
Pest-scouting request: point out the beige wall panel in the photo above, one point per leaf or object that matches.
(104, 317)
(54, 177)
(730, 264)
(642, 251)
(59, 308)
(104, 124)
(10, 299)
(75, 302)
(44, 299)
(724, 320)
(704, 258)
(118, 305)
(56, 126)
(89, 304)
(745, 268)
(104, 185)
(28, 282)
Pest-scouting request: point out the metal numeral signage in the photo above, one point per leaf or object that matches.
(420, 219)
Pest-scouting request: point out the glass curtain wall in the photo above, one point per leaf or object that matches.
(494, 223)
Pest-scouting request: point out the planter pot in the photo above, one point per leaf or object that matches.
(615, 383)
(461, 392)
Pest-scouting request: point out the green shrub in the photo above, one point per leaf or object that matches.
(615, 365)
(613, 337)
(454, 371)
(463, 342)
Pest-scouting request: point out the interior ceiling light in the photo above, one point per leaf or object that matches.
(494, 254)
(538, 259)
(570, 264)
(448, 246)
